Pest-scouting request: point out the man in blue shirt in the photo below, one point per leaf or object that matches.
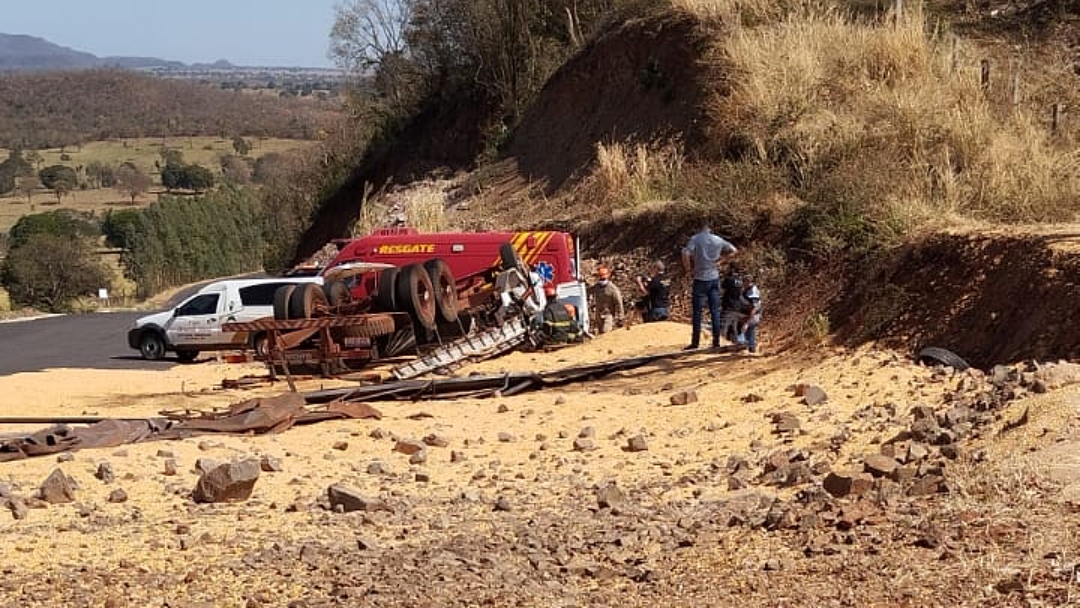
(701, 258)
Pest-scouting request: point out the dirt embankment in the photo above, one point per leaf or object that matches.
(638, 81)
(991, 297)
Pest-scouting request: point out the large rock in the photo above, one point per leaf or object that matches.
(409, 446)
(637, 443)
(848, 484)
(880, 465)
(105, 473)
(812, 394)
(348, 500)
(232, 482)
(57, 488)
(609, 496)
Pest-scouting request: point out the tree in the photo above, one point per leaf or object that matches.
(367, 31)
(34, 158)
(120, 226)
(131, 181)
(197, 177)
(61, 179)
(171, 157)
(235, 170)
(7, 182)
(100, 175)
(27, 186)
(241, 145)
(48, 271)
(63, 223)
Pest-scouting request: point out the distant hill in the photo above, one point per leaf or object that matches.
(29, 53)
(48, 109)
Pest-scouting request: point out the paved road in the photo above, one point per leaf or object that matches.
(94, 341)
(97, 341)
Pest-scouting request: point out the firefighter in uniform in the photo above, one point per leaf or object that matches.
(607, 301)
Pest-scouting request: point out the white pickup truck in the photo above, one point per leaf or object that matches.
(195, 325)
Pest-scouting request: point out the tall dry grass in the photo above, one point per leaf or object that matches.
(628, 175)
(879, 128)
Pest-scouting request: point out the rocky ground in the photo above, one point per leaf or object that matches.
(812, 478)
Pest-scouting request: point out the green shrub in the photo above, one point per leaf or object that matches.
(182, 240)
(48, 271)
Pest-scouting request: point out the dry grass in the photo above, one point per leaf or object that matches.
(5, 301)
(421, 206)
(880, 128)
(629, 175)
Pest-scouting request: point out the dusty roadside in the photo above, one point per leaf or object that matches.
(518, 507)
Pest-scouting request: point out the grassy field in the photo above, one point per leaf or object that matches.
(142, 152)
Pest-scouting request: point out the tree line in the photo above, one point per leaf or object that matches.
(51, 261)
(56, 109)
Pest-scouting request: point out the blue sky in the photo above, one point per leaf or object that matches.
(246, 32)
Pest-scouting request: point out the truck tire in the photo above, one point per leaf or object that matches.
(386, 294)
(307, 302)
(510, 258)
(374, 327)
(187, 356)
(152, 346)
(337, 293)
(281, 302)
(260, 343)
(416, 295)
(932, 355)
(442, 280)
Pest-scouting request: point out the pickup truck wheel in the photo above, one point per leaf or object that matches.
(281, 302)
(386, 294)
(308, 302)
(445, 286)
(261, 345)
(152, 346)
(186, 356)
(416, 295)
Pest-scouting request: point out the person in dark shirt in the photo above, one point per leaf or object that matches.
(731, 303)
(656, 303)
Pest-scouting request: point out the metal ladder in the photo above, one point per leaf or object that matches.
(487, 343)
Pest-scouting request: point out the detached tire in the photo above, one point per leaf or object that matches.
(386, 294)
(152, 346)
(375, 326)
(416, 295)
(337, 293)
(307, 302)
(442, 280)
(281, 302)
(939, 356)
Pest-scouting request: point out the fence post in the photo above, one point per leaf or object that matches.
(984, 74)
(1016, 85)
(1056, 116)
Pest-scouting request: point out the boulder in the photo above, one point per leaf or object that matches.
(880, 465)
(637, 443)
(841, 484)
(57, 488)
(409, 446)
(231, 482)
(348, 500)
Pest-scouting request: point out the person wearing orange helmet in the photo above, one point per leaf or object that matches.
(607, 301)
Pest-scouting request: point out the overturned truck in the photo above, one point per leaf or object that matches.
(400, 290)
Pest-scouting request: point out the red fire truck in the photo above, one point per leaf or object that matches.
(436, 276)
